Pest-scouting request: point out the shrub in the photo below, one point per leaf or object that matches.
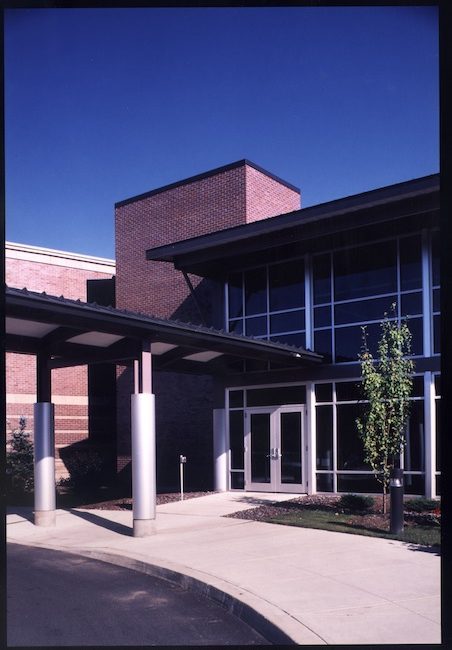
(85, 469)
(421, 504)
(19, 461)
(356, 502)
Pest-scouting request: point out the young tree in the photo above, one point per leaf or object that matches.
(386, 385)
(19, 461)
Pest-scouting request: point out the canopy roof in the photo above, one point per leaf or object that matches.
(72, 332)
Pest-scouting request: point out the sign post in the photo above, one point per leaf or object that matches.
(182, 461)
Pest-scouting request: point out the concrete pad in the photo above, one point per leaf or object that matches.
(388, 624)
(428, 606)
(317, 586)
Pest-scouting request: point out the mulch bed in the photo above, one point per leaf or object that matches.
(373, 518)
(126, 502)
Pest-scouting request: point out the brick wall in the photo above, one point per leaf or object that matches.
(56, 273)
(214, 201)
(229, 198)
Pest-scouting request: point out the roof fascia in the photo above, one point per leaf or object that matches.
(332, 209)
(134, 326)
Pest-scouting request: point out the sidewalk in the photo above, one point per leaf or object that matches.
(292, 584)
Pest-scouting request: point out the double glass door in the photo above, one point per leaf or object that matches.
(274, 443)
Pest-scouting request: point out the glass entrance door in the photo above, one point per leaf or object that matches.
(274, 441)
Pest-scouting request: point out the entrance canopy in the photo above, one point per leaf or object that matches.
(70, 333)
(64, 333)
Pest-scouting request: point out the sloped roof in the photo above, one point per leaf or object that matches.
(209, 255)
(73, 332)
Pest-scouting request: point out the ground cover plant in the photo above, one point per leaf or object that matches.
(353, 514)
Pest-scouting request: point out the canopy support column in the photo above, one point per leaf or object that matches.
(143, 446)
(44, 448)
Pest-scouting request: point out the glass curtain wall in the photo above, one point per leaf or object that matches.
(351, 287)
(438, 433)
(435, 274)
(358, 286)
(269, 302)
(340, 465)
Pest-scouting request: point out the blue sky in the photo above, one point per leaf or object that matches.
(103, 104)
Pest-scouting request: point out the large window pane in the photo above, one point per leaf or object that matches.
(324, 482)
(414, 453)
(236, 443)
(235, 295)
(436, 299)
(322, 316)
(438, 434)
(291, 465)
(324, 429)
(256, 326)
(324, 392)
(276, 396)
(414, 483)
(435, 259)
(236, 399)
(298, 340)
(436, 334)
(290, 321)
(256, 291)
(349, 341)
(260, 447)
(237, 480)
(322, 279)
(412, 304)
(437, 385)
(286, 285)
(348, 391)
(236, 326)
(350, 451)
(417, 341)
(363, 310)
(357, 483)
(410, 263)
(365, 271)
(323, 343)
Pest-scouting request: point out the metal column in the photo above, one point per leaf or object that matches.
(220, 450)
(143, 447)
(44, 448)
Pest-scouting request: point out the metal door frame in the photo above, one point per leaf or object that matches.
(275, 484)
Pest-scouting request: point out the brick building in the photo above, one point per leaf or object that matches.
(226, 197)
(232, 249)
(73, 276)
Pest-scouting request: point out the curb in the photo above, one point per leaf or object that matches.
(264, 617)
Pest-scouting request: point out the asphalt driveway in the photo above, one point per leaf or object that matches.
(60, 599)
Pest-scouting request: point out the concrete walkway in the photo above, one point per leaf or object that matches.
(294, 585)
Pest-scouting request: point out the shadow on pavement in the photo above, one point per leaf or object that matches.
(22, 511)
(103, 522)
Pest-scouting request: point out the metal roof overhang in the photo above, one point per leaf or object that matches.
(73, 333)
(356, 218)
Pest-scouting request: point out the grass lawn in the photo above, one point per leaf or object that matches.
(327, 512)
(344, 523)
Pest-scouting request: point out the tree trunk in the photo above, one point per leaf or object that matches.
(384, 499)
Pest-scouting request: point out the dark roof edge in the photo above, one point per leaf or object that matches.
(381, 195)
(199, 177)
(137, 319)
